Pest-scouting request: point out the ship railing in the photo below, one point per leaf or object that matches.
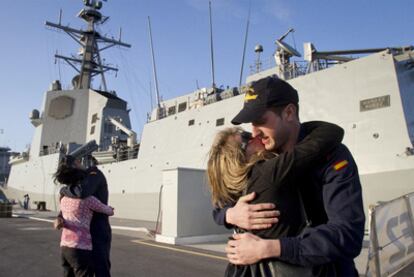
(127, 153)
(49, 151)
(21, 157)
(292, 70)
(391, 244)
(262, 65)
(207, 98)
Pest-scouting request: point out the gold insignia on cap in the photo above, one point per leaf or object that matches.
(250, 94)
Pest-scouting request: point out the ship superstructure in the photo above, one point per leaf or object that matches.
(369, 95)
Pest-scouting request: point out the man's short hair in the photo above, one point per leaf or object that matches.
(279, 109)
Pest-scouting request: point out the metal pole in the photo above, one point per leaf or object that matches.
(60, 16)
(245, 43)
(211, 47)
(410, 214)
(374, 237)
(150, 94)
(100, 66)
(153, 65)
(287, 33)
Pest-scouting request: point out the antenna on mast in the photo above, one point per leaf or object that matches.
(150, 94)
(154, 69)
(211, 47)
(258, 49)
(160, 110)
(245, 42)
(282, 56)
(60, 16)
(88, 64)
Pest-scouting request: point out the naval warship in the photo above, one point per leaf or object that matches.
(160, 175)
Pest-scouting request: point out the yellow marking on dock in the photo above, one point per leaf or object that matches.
(180, 250)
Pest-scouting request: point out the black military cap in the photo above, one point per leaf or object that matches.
(262, 94)
(68, 160)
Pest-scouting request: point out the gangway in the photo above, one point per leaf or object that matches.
(391, 238)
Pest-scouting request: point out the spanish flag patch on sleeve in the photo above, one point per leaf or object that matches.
(340, 165)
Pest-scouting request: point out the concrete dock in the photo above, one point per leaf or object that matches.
(29, 246)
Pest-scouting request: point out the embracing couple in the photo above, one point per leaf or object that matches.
(291, 191)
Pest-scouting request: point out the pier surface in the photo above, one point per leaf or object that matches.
(29, 246)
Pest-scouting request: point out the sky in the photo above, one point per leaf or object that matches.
(180, 31)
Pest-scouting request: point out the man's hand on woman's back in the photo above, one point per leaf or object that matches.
(246, 248)
(58, 223)
(252, 216)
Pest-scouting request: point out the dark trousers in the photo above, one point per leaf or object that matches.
(76, 262)
(101, 259)
(101, 245)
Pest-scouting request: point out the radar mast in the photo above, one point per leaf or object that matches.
(284, 52)
(88, 64)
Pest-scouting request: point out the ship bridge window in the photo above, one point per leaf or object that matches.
(182, 107)
(108, 128)
(45, 150)
(92, 130)
(94, 117)
(220, 121)
(191, 122)
(171, 110)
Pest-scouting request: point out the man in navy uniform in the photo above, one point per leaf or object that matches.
(331, 192)
(95, 184)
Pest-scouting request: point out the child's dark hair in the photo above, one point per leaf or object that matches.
(68, 175)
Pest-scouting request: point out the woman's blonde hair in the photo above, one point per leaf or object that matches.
(228, 167)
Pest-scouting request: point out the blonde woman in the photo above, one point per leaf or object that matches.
(239, 164)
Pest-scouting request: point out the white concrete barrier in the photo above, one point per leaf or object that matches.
(186, 209)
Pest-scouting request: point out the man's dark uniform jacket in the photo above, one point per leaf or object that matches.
(332, 195)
